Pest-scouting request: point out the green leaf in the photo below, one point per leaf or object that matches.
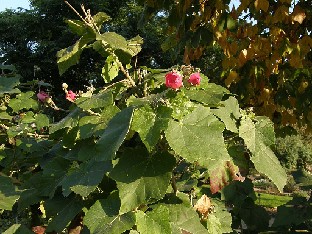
(124, 49)
(18, 229)
(114, 135)
(96, 101)
(8, 84)
(220, 220)
(8, 193)
(142, 178)
(255, 217)
(198, 137)
(210, 95)
(94, 125)
(85, 178)
(237, 192)
(5, 116)
(228, 114)
(155, 221)
(150, 124)
(41, 121)
(180, 104)
(134, 45)
(62, 210)
(23, 101)
(56, 169)
(103, 217)
(114, 40)
(110, 69)
(70, 56)
(76, 26)
(258, 138)
(185, 218)
(294, 213)
(101, 17)
(69, 121)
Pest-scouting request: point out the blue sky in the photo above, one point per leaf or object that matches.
(13, 4)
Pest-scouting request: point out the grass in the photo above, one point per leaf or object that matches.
(271, 201)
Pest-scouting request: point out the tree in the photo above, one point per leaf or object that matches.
(269, 56)
(31, 39)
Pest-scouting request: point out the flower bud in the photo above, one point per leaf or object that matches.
(194, 79)
(43, 96)
(173, 80)
(70, 96)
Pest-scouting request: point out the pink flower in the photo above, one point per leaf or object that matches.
(71, 96)
(194, 79)
(173, 80)
(42, 96)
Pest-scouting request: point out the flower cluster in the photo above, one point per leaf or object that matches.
(174, 79)
(70, 96)
(43, 96)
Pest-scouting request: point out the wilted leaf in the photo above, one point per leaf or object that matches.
(221, 176)
(262, 5)
(298, 15)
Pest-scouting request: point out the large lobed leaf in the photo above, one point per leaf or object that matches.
(8, 193)
(85, 178)
(220, 220)
(23, 101)
(95, 101)
(142, 178)
(155, 221)
(229, 113)
(70, 56)
(63, 210)
(184, 219)
(259, 137)
(18, 229)
(114, 135)
(198, 137)
(149, 124)
(8, 84)
(103, 217)
(210, 94)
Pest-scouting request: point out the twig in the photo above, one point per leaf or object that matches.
(76, 12)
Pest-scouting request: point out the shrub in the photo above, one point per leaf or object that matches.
(293, 152)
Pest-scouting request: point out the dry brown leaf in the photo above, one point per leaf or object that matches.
(203, 205)
(298, 15)
(262, 5)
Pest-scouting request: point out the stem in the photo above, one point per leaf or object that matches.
(77, 12)
(125, 72)
(174, 184)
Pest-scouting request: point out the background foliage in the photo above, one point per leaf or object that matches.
(130, 154)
